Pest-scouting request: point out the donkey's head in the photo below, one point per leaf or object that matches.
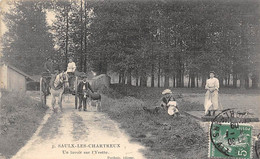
(65, 79)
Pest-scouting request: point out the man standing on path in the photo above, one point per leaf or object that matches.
(83, 89)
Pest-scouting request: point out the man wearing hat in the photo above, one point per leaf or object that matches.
(169, 103)
(83, 90)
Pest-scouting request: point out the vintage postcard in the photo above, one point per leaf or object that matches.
(129, 79)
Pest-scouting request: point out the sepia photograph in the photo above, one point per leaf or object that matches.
(129, 79)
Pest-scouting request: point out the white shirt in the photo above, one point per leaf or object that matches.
(71, 67)
(212, 83)
(84, 86)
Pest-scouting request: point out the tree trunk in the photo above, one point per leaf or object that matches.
(228, 82)
(242, 82)
(183, 74)
(204, 79)
(123, 78)
(167, 70)
(221, 82)
(120, 78)
(85, 63)
(159, 77)
(197, 80)
(234, 80)
(129, 77)
(166, 80)
(179, 72)
(189, 82)
(85, 37)
(153, 62)
(246, 82)
(174, 80)
(255, 80)
(67, 36)
(192, 85)
(143, 80)
(178, 78)
(152, 76)
(226, 78)
(182, 77)
(81, 38)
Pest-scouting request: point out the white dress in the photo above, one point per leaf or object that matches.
(211, 97)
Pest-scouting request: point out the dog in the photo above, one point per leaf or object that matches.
(152, 111)
(243, 114)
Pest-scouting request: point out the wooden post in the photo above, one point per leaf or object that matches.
(76, 92)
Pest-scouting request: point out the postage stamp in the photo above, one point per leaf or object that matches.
(230, 139)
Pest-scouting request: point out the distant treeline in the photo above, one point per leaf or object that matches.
(141, 39)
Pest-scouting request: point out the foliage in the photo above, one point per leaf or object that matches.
(20, 116)
(167, 38)
(185, 37)
(162, 134)
(28, 41)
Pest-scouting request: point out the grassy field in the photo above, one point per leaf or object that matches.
(193, 98)
(166, 137)
(20, 116)
(151, 96)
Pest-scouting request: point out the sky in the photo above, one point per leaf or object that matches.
(3, 8)
(3, 29)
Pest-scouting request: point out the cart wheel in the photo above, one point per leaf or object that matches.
(42, 94)
(99, 106)
(44, 99)
(76, 92)
(76, 101)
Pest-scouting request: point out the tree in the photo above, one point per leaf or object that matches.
(28, 41)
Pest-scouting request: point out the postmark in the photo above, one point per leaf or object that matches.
(229, 138)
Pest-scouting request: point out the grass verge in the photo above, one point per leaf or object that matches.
(166, 137)
(20, 116)
(152, 96)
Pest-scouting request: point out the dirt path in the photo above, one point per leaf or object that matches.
(73, 134)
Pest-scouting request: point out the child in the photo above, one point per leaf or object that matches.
(169, 103)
